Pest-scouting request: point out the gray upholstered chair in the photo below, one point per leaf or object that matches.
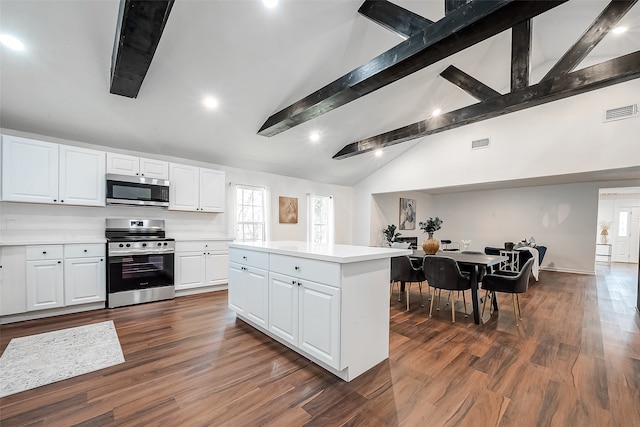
(402, 271)
(443, 272)
(510, 282)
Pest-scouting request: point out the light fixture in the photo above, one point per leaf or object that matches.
(436, 112)
(270, 3)
(619, 30)
(11, 42)
(210, 103)
(314, 136)
(378, 152)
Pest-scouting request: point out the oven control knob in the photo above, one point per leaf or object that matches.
(144, 245)
(121, 245)
(128, 245)
(159, 244)
(165, 243)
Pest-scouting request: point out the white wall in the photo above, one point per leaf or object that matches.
(563, 137)
(385, 210)
(19, 221)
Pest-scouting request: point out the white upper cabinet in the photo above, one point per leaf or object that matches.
(123, 164)
(212, 192)
(81, 176)
(44, 172)
(184, 182)
(196, 189)
(29, 170)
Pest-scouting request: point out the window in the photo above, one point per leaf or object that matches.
(320, 219)
(250, 213)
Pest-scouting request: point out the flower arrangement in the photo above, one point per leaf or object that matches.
(431, 225)
(604, 233)
(390, 233)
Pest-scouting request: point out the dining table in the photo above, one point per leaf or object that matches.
(473, 260)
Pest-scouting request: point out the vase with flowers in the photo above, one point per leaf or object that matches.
(604, 231)
(390, 234)
(430, 226)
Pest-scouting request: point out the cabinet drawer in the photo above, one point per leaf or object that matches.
(84, 250)
(253, 258)
(44, 252)
(201, 246)
(309, 269)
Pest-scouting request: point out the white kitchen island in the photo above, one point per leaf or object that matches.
(329, 303)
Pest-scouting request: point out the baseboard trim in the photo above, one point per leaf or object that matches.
(568, 270)
(201, 290)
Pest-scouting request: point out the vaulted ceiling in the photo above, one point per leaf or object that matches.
(255, 61)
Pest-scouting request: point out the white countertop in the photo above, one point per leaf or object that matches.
(198, 238)
(51, 241)
(333, 253)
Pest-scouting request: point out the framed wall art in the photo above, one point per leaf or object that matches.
(407, 214)
(288, 210)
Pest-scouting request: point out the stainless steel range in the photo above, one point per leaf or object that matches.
(140, 262)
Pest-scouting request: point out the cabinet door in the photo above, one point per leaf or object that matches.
(84, 280)
(123, 164)
(13, 282)
(82, 176)
(29, 170)
(283, 307)
(319, 321)
(44, 284)
(256, 295)
(236, 287)
(184, 187)
(154, 168)
(189, 270)
(212, 190)
(216, 268)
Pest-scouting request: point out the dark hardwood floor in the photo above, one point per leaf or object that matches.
(574, 360)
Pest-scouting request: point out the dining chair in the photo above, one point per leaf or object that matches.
(510, 282)
(402, 271)
(443, 272)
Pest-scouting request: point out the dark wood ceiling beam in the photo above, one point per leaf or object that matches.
(520, 55)
(393, 17)
(600, 27)
(605, 74)
(140, 25)
(464, 81)
(464, 27)
(451, 5)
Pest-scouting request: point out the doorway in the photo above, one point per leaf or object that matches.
(619, 215)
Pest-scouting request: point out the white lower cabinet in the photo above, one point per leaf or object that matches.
(45, 286)
(84, 274)
(41, 277)
(307, 315)
(201, 263)
(13, 296)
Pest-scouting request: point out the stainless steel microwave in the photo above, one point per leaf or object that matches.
(137, 190)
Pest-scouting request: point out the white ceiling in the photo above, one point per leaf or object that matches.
(256, 61)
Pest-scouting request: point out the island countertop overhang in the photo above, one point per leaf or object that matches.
(342, 254)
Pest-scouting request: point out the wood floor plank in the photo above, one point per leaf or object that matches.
(574, 359)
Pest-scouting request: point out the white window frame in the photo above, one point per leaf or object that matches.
(265, 210)
(311, 237)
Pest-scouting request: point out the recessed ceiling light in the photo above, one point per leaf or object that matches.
(314, 136)
(210, 102)
(270, 3)
(619, 30)
(11, 42)
(378, 152)
(436, 112)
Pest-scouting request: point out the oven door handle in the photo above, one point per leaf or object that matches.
(126, 254)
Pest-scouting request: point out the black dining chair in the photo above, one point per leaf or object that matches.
(443, 272)
(510, 282)
(402, 271)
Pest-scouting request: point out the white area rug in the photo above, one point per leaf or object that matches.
(37, 360)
